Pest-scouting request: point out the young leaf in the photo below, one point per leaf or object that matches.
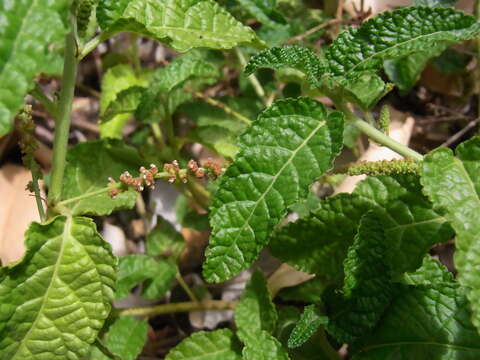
(126, 337)
(28, 47)
(115, 81)
(452, 185)
(367, 290)
(84, 176)
(294, 56)
(395, 34)
(424, 322)
(133, 269)
(430, 273)
(291, 144)
(126, 103)
(255, 311)
(160, 100)
(182, 25)
(318, 243)
(55, 300)
(164, 240)
(307, 325)
(219, 344)
(264, 347)
(265, 12)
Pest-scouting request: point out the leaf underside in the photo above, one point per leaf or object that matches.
(55, 300)
(289, 146)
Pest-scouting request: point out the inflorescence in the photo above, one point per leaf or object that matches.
(172, 172)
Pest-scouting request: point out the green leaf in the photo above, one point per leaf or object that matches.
(164, 240)
(84, 176)
(83, 12)
(55, 300)
(219, 344)
(127, 336)
(255, 312)
(452, 185)
(293, 56)
(115, 81)
(395, 34)
(308, 324)
(424, 322)
(366, 90)
(308, 292)
(134, 269)
(430, 273)
(163, 96)
(264, 347)
(28, 47)
(264, 11)
(318, 243)
(182, 25)
(291, 144)
(367, 290)
(126, 102)
(434, 3)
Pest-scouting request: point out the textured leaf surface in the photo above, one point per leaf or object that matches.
(183, 24)
(423, 323)
(264, 11)
(318, 243)
(84, 176)
(55, 300)
(296, 57)
(307, 325)
(255, 311)
(27, 48)
(452, 185)
(396, 34)
(161, 99)
(367, 290)
(290, 145)
(208, 345)
(134, 269)
(126, 102)
(265, 347)
(126, 337)
(430, 273)
(434, 3)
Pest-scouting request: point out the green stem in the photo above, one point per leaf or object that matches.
(252, 78)
(377, 135)
(90, 46)
(150, 311)
(62, 125)
(48, 104)
(36, 188)
(157, 134)
(185, 287)
(477, 15)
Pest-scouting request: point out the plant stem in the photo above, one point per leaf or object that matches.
(185, 287)
(375, 134)
(62, 124)
(179, 307)
(90, 194)
(48, 104)
(313, 30)
(218, 104)
(477, 40)
(36, 188)
(157, 134)
(252, 78)
(90, 46)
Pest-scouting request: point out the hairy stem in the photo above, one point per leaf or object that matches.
(36, 188)
(377, 135)
(62, 124)
(150, 311)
